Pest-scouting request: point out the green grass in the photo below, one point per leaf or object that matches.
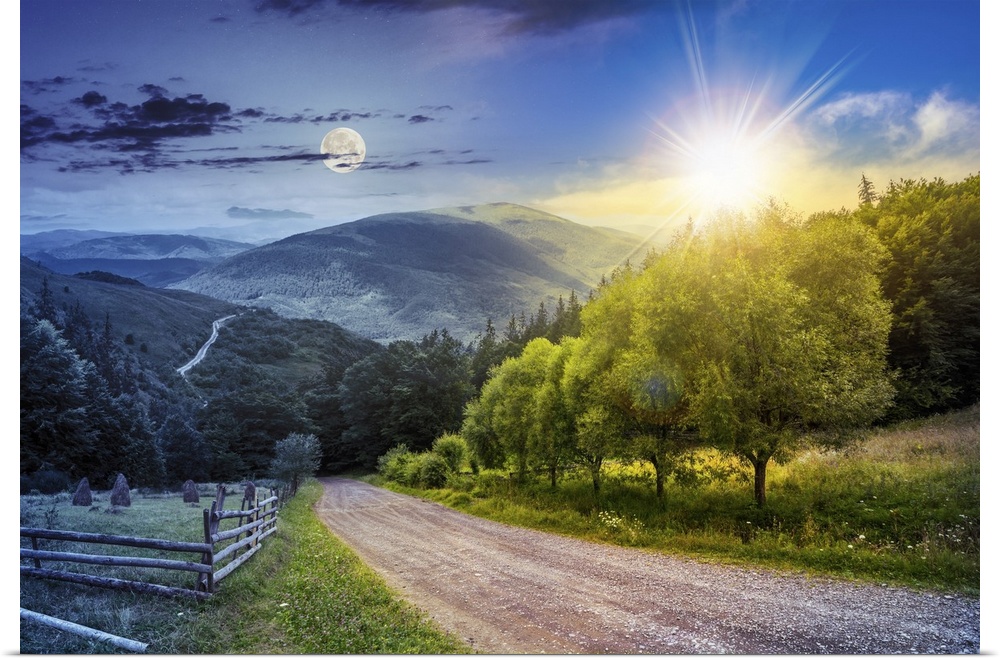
(902, 507)
(304, 593)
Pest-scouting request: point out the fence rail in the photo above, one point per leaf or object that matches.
(255, 522)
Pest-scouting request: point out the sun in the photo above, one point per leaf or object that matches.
(725, 172)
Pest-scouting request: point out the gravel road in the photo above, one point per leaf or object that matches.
(508, 590)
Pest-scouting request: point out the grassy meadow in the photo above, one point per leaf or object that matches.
(900, 507)
(304, 592)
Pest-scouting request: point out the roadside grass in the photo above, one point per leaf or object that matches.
(304, 592)
(900, 507)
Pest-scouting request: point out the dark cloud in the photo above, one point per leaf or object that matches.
(91, 99)
(265, 214)
(46, 84)
(289, 7)
(471, 161)
(436, 108)
(329, 118)
(134, 132)
(389, 165)
(523, 16)
(131, 138)
(153, 90)
(156, 161)
(34, 126)
(129, 128)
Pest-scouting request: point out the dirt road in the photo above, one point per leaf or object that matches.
(508, 590)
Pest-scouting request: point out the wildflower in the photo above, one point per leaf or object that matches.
(861, 536)
(850, 546)
(282, 605)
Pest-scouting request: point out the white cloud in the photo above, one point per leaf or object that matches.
(869, 105)
(891, 127)
(943, 123)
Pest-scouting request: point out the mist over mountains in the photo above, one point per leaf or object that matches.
(402, 275)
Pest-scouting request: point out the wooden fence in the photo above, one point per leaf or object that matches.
(254, 522)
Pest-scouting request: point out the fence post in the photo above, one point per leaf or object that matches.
(255, 517)
(34, 545)
(206, 582)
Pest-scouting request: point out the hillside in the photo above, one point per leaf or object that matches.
(171, 324)
(167, 326)
(154, 259)
(401, 275)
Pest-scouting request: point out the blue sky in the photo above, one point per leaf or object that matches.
(168, 115)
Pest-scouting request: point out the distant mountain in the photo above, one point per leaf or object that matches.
(156, 260)
(42, 241)
(402, 275)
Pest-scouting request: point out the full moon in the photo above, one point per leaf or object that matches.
(344, 149)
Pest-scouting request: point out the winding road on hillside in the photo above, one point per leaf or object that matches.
(198, 357)
(508, 590)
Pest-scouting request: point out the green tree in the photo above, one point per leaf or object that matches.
(506, 412)
(647, 388)
(931, 230)
(552, 435)
(599, 427)
(296, 457)
(185, 456)
(411, 393)
(778, 328)
(453, 449)
(866, 191)
(56, 428)
(243, 422)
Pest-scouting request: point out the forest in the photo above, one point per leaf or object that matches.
(755, 335)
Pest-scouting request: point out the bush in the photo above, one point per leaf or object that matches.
(433, 471)
(46, 481)
(427, 469)
(393, 465)
(453, 449)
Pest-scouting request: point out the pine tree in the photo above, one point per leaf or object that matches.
(866, 191)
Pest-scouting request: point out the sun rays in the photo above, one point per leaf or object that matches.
(720, 146)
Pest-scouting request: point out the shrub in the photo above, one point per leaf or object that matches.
(392, 465)
(433, 470)
(46, 481)
(453, 449)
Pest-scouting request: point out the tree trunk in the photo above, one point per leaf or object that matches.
(552, 475)
(759, 478)
(595, 473)
(658, 465)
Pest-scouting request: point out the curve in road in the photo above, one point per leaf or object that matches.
(508, 590)
(198, 357)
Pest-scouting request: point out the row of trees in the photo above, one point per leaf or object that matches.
(747, 335)
(413, 392)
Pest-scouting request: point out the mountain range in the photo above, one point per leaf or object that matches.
(156, 260)
(402, 275)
